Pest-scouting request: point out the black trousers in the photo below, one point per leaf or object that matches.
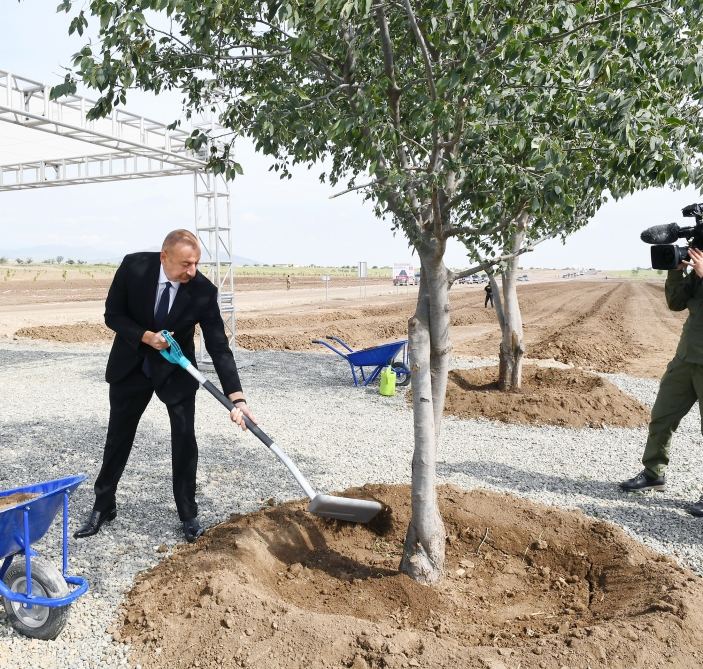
(128, 400)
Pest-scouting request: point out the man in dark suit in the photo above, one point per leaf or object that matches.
(149, 293)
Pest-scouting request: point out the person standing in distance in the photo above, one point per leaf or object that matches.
(682, 383)
(152, 292)
(489, 295)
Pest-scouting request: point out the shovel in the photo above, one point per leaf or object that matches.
(328, 506)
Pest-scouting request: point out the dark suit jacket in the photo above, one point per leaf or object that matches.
(129, 311)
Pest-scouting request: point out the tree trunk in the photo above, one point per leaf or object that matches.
(512, 345)
(500, 314)
(429, 349)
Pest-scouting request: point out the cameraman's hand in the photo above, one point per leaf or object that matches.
(696, 261)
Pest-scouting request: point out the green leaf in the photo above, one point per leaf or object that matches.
(68, 87)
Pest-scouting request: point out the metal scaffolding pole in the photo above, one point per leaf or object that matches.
(214, 230)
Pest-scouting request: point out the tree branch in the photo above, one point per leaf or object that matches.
(601, 19)
(429, 75)
(487, 264)
(368, 184)
(327, 96)
(423, 48)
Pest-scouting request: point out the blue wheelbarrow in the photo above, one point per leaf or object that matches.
(376, 357)
(35, 593)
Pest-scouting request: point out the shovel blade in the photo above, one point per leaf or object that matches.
(343, 508)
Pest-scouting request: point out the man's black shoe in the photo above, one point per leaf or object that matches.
(696, 509)
(92, 525)
(192, 530)
(642, 482)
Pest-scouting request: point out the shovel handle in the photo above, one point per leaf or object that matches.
(229, 404)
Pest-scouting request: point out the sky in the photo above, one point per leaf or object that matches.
(273, 221)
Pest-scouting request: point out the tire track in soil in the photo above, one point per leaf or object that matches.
(657, 331)
(546, 308)
(359, 326)
(602, 337)
(569, 322)
(613, 326)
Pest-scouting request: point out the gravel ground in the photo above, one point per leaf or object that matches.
(53, 415)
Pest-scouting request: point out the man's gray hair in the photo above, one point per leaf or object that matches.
(180, 236)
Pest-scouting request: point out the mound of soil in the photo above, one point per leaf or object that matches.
(549, 396)
(74, 333)
(526, 585)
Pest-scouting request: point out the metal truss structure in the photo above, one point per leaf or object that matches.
(122, 147)
(214, 230)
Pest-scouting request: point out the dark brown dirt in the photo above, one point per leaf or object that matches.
(15, 499)
(532, 587)
(549, 396)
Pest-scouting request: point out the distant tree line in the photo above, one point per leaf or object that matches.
(58, 260)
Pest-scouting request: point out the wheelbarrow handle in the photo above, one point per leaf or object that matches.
(329, 346)
(341, 342)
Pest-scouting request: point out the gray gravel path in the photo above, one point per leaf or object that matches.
(53, 415)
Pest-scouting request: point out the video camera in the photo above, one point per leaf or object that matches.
(664, 254)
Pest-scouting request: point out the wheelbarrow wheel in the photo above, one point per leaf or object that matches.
(402, 374)
(39, 622)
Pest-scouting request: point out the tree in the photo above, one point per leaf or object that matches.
(59, 259)
(441, 114)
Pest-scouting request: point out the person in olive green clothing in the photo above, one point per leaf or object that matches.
(682, 383)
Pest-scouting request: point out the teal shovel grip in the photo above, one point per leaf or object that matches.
(173, 354)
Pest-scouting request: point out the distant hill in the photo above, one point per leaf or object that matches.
(88, 253)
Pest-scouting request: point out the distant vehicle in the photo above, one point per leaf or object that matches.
(403, 279)
(523, 277)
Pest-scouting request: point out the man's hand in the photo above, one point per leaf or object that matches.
(155, 340)
(240, 410)
(696, 261)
